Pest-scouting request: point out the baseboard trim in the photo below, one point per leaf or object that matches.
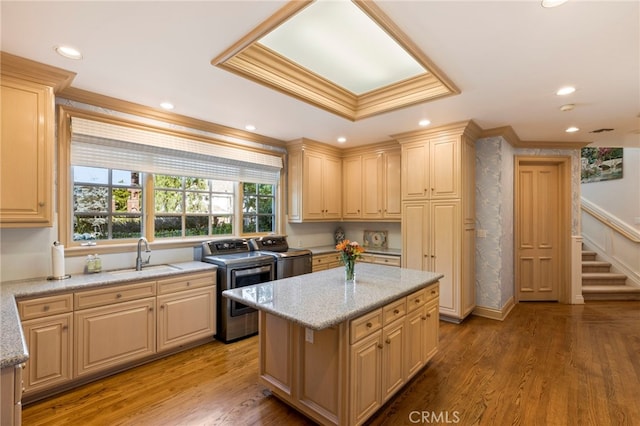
(495, 314)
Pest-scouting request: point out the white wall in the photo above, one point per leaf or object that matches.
(619, 197)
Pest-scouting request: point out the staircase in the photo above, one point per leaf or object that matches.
(599, 283)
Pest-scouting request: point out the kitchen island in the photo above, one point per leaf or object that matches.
(337, 351)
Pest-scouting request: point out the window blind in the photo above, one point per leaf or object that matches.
(99, 144)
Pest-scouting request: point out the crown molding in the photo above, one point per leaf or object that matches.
(509, 135)
(26, 69)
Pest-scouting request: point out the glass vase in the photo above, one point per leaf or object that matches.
(350, 271)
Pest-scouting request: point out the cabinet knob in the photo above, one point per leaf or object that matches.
(369, 325)
(41, 203)
(433, 256)
(188, 283)
(396, 312)
(423, 317)
(118, 296)
(379, 346)
(388, 341)
(45, 308)
(65, 327)
(417, 300)
(162, 306)
(150, 309)
(428, 315)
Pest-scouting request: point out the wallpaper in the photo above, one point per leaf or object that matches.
(494, 215)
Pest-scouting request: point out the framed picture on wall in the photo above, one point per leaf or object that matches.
(600, 164)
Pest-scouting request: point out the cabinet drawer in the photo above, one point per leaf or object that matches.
(394, 310)
(186, 282)
(381, 259)
(326, 259)
(365, 325)
(432, 292)
(109, 295)
(416, 300)
(45, 306)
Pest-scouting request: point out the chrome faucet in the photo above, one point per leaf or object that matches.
(139, 262)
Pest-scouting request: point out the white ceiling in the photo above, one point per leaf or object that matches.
(507, 57)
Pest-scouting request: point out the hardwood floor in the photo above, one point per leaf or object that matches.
(546, 364)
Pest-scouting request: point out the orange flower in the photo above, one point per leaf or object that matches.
(349, 250)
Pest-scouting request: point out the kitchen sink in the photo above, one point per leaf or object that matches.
(146, 269)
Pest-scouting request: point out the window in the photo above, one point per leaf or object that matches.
(107, 204)
(189, 206)
(258, 208)
(123, 180)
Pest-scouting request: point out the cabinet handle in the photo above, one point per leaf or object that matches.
(41, 203)
(433, 256)
(45, 308)
(388, 341)
(426, 255)
(396, 312)
(65, 327)
(118, 296)
(433, 189)
(369, 325)
(417, 300)
(428, 315)
(379, 346)
(188, 283)
(433, 292)
(162, 306)
(150, 309)
(423, 318)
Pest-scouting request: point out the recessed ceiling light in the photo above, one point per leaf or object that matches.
(567, 107)
(572, 129)
(250, 127)
(565, 91)
(68, 52)
(424, 123)
(552, 3)
(342, 139)
(166, 105)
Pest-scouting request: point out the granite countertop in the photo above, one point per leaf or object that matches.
(322, 299)
(373, 250)
(13, 348)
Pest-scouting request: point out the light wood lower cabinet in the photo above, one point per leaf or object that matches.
(48, 329)
(112, 335)
(11, 396)
(343, 374)
(186, 316)
(74, 337)
(380, 259)
(320, 262)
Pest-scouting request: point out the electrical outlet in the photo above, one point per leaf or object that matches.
(482, 233)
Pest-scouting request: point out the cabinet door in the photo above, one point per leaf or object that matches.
(11, 395)
(414, 342)
(332, 187)
(111, 335)
(312, 205)
(366, 377)
(393, 358)
(352, 194)
(415, 235)
(445, 252)
(392, 207)
(186, 316)
(430, 318)
(49, 342)
(415, 171)
(372, 186)
(26, 154)
(444, 170)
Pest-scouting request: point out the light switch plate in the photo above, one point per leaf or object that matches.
(308, 335)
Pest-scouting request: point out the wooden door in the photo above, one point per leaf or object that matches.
(393, 358)
(391, 197)
(539, 213)
(415, 171)
(366, 377)
(332, 187)
(444, 169)
(445, 253)
(415, 235)
(312, 203)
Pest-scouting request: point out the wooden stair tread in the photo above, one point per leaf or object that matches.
(610, 289)
(603, 275)
(595, 263)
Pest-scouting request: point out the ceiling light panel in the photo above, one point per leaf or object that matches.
(338, 41)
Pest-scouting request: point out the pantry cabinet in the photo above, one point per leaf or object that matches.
(27, 141)
(315, 182)
(438, 210)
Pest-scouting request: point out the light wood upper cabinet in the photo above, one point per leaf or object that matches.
(27, 141)
(352, 187)
(375, 194)
(315, 182)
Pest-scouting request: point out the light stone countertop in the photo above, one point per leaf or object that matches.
(373, 250)
(322, 299)
(13, 348)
